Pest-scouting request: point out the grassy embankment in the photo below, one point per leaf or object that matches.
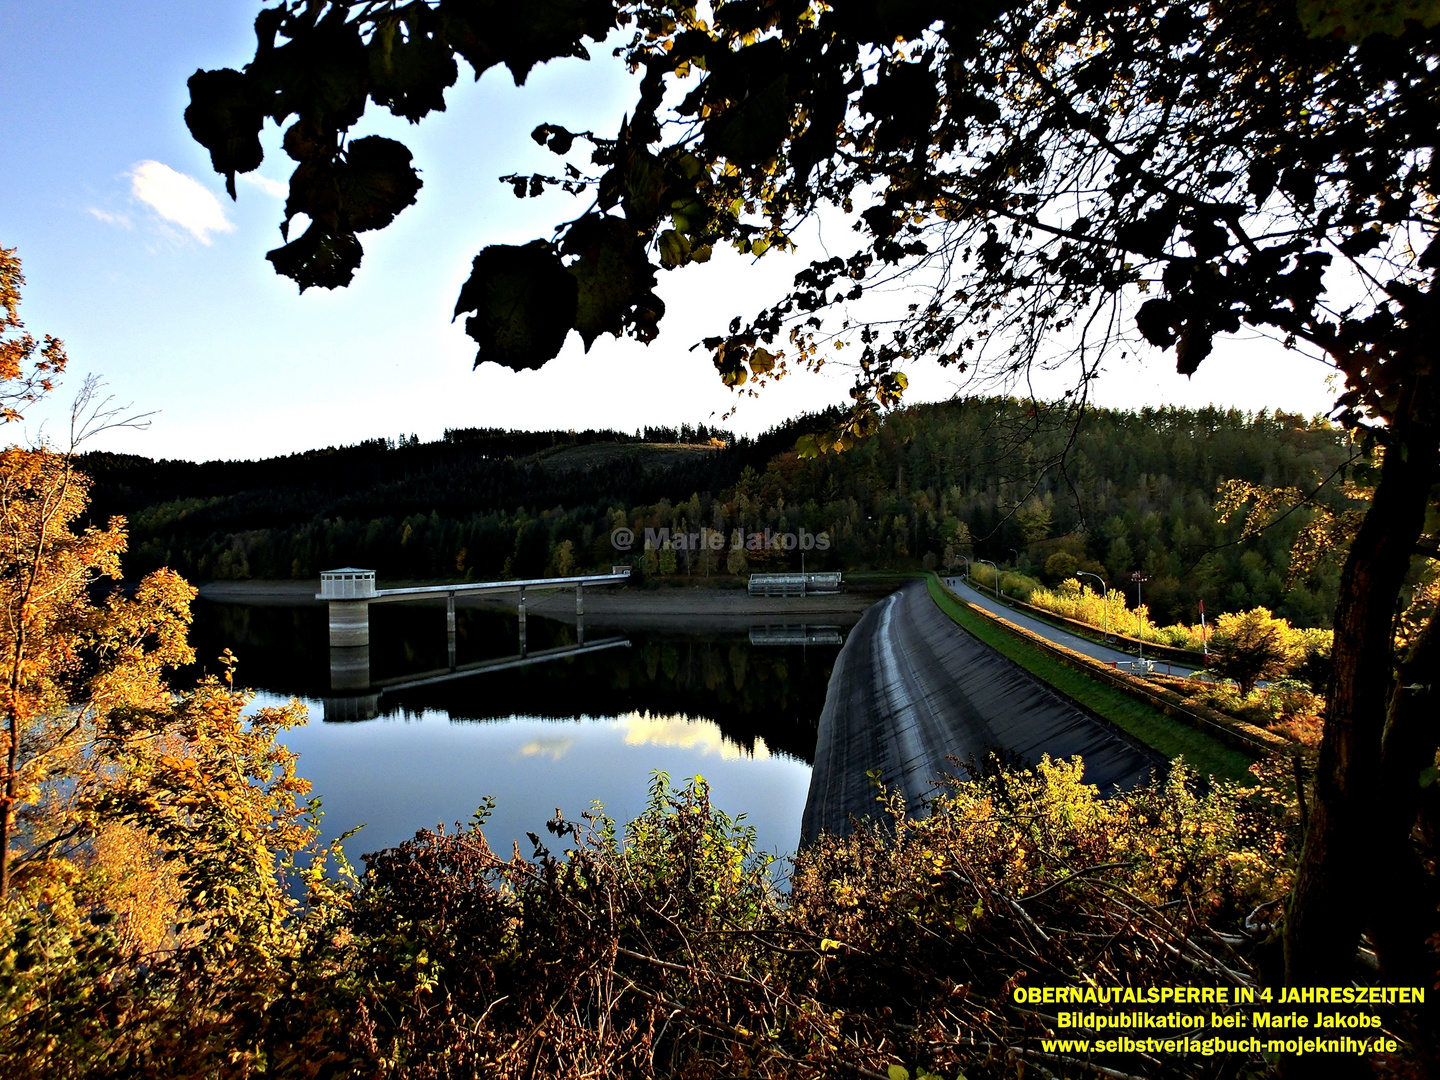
(1149, 725)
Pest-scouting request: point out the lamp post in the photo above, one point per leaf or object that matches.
(1104, 598)
(987, 562)
(1139, 580)
(967, 566)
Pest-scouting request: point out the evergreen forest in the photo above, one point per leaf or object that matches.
(1032, 488)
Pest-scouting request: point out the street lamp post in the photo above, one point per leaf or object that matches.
(987, 562)
(1104, 598)
(967, 566)
(1139, 580)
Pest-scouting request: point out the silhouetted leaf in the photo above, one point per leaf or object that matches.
(314, 192)
(612, 274)
(304, 142)
(1363, 241)
(524, 304)
(224, 115)
(1261, 180)
(1156, 320)
(1147, 235)
(411, 66)
(318, 257)
(377, 182)
(521, 35)
(750, 92)
(323, 75)
(1196, 343)
(903, 101)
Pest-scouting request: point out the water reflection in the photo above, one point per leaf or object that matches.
(399, 749)
(796, 634)
(552, 747)
(701, 736)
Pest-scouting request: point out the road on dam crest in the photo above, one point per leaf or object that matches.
(1085, 646)
(911, 688)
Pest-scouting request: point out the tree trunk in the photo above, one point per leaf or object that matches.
(7, 798)
(1336, 882)
(1407, 891)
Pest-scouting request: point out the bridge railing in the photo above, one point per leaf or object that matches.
(350, 584)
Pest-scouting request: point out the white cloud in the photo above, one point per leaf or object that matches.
(123, 220)
(273, 188)
(179, 199)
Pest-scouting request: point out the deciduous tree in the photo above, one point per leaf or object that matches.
(1248, 646)
(145, 835)
(27, 368)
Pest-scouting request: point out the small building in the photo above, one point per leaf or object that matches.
(796, 584)
(347, 583)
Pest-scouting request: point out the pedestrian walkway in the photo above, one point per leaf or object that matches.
(1053, 633)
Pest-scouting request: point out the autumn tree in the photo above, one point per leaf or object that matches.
(959, 546)
(145, 835)
(736, 563)
(27, 368)
(666, 558)
(1248, 646)
(1049, 179)
(66, 662)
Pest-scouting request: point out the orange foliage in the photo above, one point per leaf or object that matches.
(19, 387)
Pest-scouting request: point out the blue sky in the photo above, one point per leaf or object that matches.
(157, 282)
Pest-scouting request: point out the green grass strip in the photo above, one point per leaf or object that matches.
(1152, 727)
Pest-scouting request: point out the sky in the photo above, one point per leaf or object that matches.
(157, 282)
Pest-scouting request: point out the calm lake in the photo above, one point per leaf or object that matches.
(738, 707)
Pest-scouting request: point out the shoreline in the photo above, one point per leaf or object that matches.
(604, 605)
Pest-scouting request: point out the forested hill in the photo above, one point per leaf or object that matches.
(997, 479)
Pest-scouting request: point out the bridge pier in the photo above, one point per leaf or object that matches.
(350, 668)
(349, 624)
(450, 629)
(521, 613)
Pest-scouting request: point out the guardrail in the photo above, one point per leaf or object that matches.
(1169, 652)
(1172, 653)
(1227, 729)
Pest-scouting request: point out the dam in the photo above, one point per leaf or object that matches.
(911, 689)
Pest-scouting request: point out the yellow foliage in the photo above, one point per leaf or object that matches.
(135, 882)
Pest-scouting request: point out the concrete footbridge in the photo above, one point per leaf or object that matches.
(350, 592)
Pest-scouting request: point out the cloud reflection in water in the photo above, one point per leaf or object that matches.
(680, 731)
(552, 746)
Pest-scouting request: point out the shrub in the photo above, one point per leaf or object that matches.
(1012, 583)
(1252, 645)
(1060, 566)
(663, 949)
